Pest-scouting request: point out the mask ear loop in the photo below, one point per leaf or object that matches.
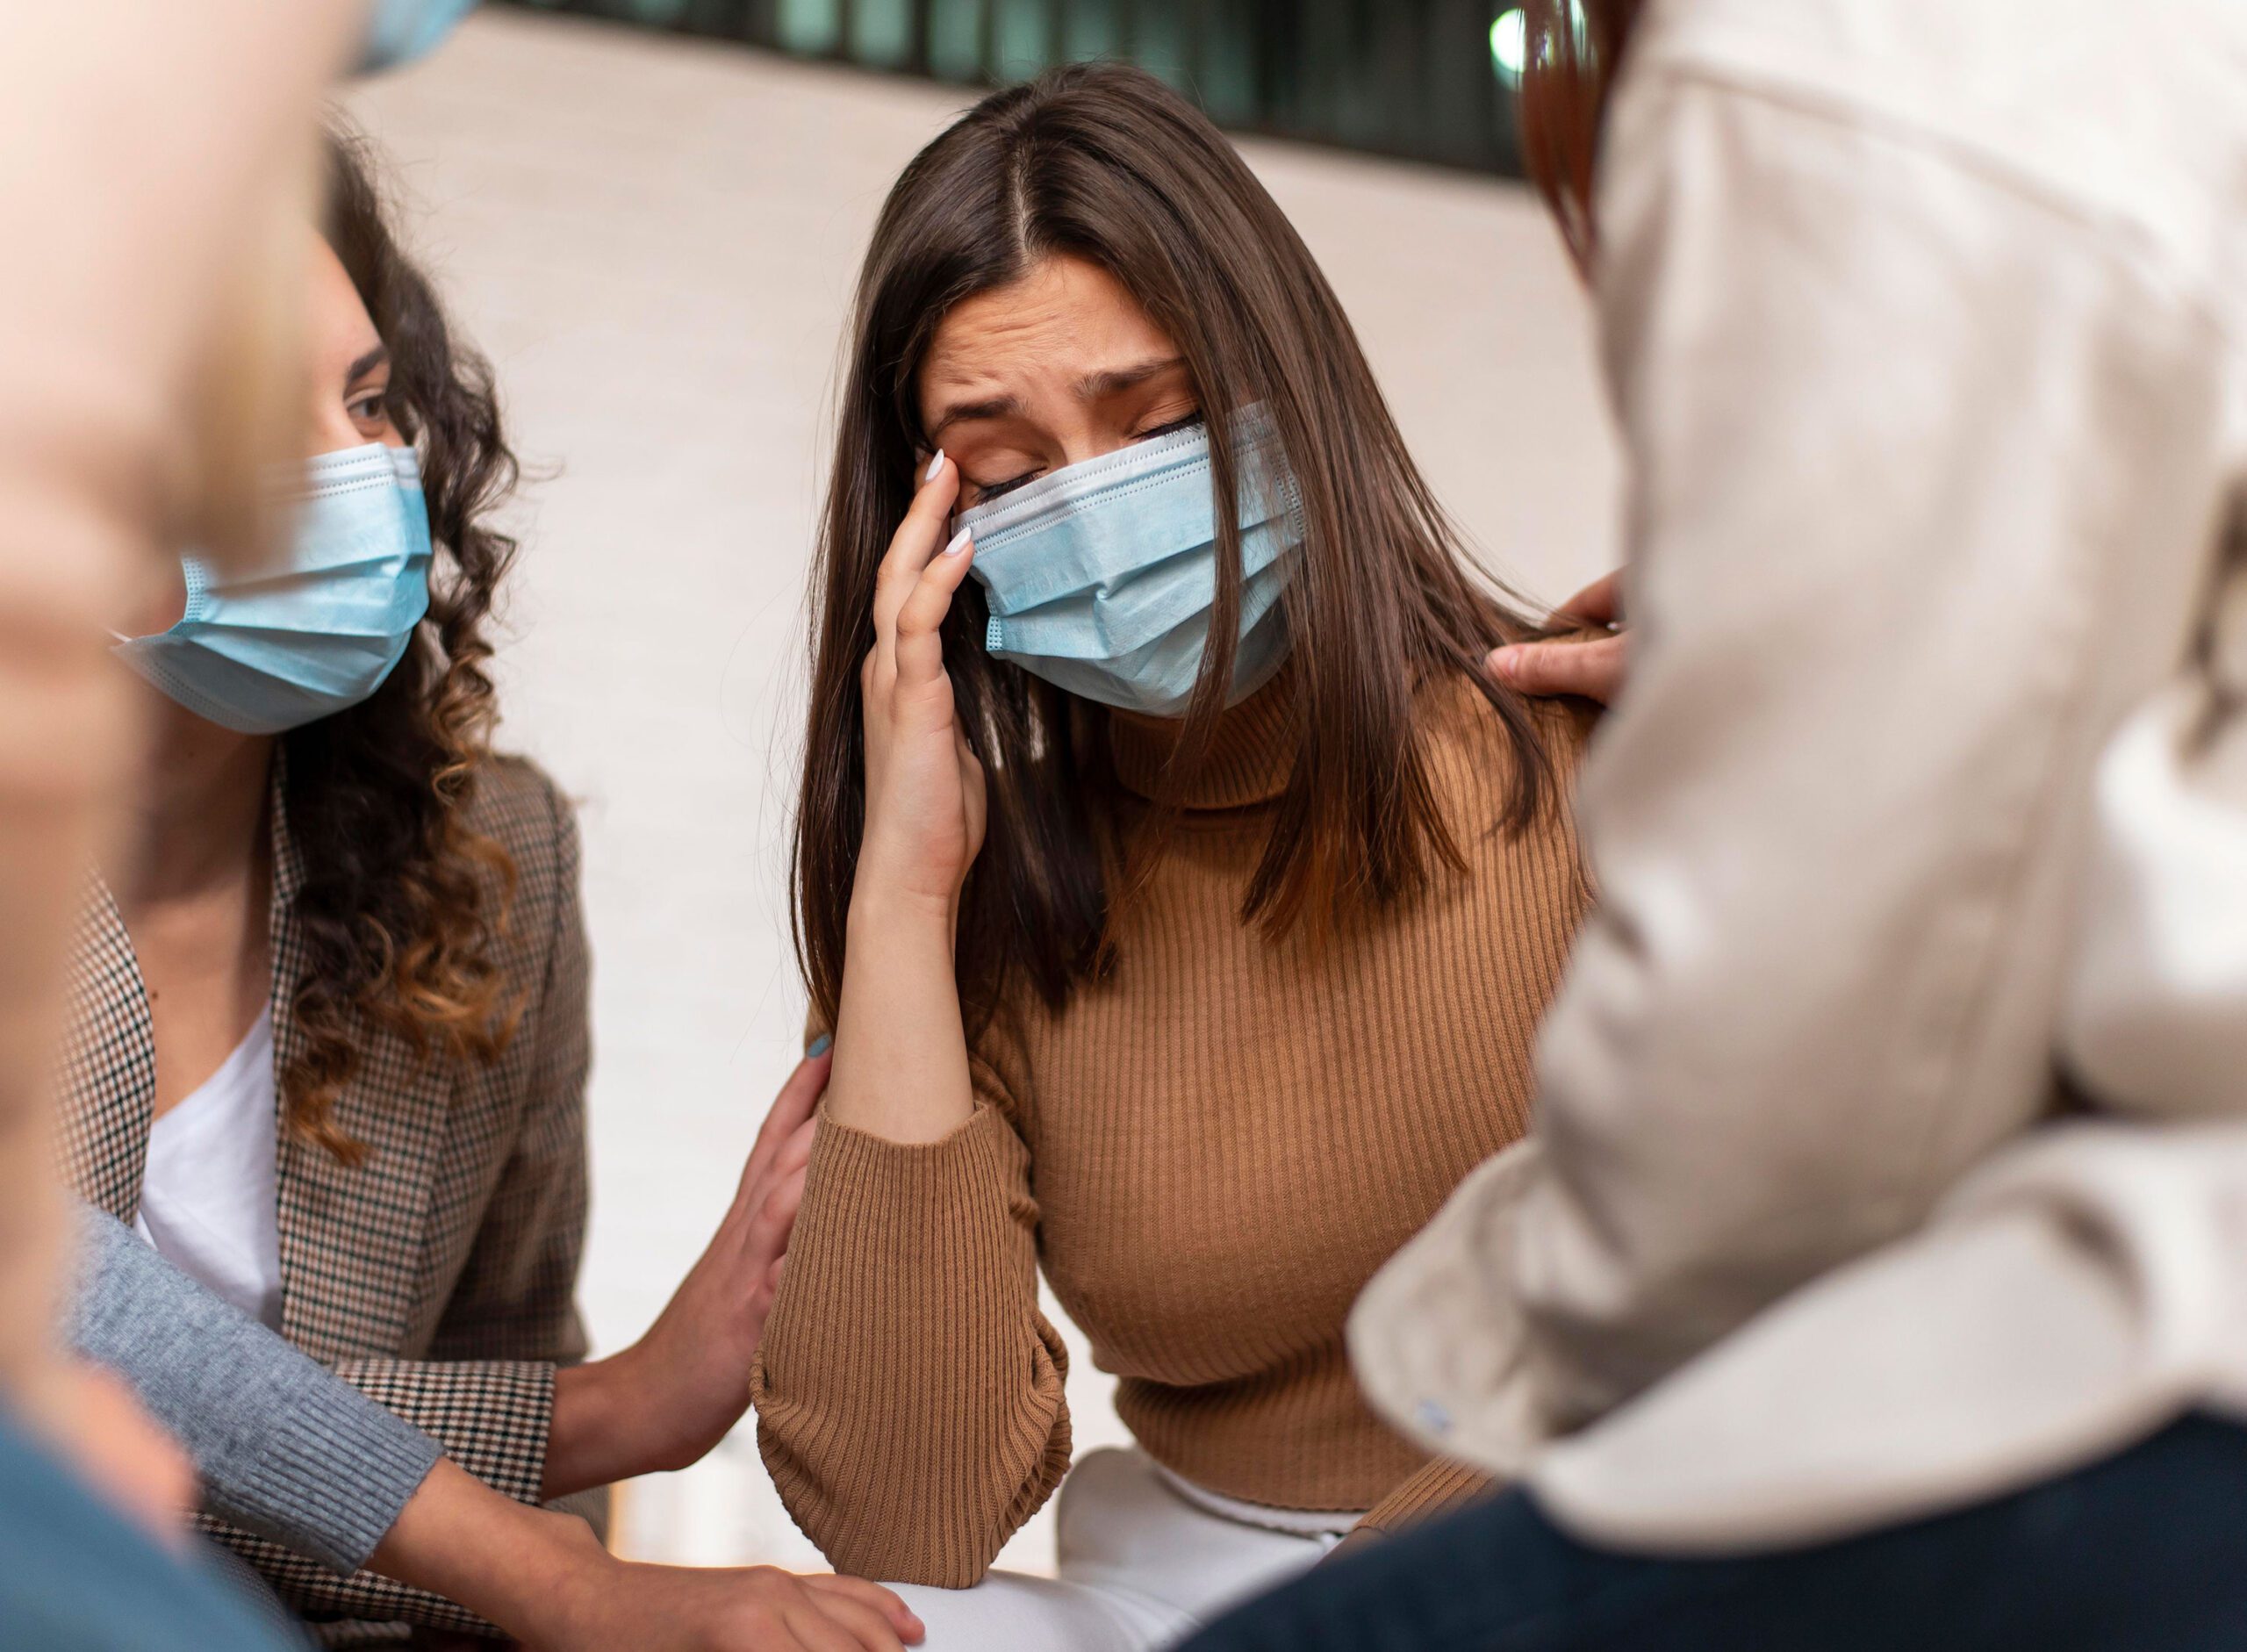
(197, 576)
(197, 573)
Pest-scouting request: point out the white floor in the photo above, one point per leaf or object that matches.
(654, 240)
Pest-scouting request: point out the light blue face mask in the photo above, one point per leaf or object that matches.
(399, 31)
(1101, 577)
(275, 649)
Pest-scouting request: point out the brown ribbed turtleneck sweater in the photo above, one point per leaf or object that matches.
(1210, 1153)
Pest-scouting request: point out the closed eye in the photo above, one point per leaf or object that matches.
(1172, 428)
(986, 492)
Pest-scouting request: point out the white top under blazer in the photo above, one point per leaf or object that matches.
(208, 1199)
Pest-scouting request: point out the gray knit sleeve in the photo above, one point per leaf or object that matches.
(286, 1449)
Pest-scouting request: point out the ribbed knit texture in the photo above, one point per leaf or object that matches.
(1210, 1153)
(282, 1446)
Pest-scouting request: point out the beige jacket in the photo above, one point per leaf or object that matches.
(1892, 1147)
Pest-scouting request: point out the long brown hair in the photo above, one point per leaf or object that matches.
(400, 901)
(1574, 48)
(1106, 163)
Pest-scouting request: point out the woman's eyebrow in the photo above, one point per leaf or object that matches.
(1108, 381)
(378, 356)
(994, 407)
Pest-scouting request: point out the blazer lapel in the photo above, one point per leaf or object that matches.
(352, 1243)
(109, 1064)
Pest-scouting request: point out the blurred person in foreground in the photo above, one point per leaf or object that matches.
(329, 1044)
(1877, 1273)
(132, 138)
(154, 161)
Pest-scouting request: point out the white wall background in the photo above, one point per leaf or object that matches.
(654, 240)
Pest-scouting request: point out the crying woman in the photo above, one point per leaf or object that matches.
(1182, 890)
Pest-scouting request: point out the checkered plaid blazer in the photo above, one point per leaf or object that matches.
(439, 1276)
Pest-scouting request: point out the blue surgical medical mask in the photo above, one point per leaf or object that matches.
(1101, 577)
(399, 31)
(275, 648)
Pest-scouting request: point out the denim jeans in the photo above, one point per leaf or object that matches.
(2145, 1552)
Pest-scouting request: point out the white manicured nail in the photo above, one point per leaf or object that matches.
(935, 466)
(960, 542)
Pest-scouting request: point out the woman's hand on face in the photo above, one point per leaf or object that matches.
(1593, 667)
(901, 1065)
(664, 1402)
(924, 788)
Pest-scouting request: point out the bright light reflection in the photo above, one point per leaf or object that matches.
(1510, 43)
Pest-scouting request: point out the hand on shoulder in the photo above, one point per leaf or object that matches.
(1591, 666)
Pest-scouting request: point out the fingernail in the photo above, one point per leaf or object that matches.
(820, 1046)
(1501, 661)
(960, 542)
(935, 466)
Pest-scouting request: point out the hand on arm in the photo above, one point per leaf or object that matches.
(662, 1402)
(666, 1400)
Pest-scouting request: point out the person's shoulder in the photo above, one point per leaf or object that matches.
(1463, 720)
(1566, 726)
(1475, 757)
(514, 804)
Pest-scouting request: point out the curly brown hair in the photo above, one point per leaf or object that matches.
(400, 901)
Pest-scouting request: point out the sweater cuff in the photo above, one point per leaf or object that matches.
(1440, 1488)
(283, 1449)
(856, 1159)
(491, 1416)
(911, 1402)
(949, 1202)
(343, 1465)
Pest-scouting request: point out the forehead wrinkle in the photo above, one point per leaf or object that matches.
(993, 354)
(982, 376)
(1000, 351)
(990, 407)
(1108, 381)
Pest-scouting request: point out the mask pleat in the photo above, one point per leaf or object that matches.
(280, 647)
(1103, 583)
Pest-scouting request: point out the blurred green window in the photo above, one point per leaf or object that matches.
(1428, 80)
